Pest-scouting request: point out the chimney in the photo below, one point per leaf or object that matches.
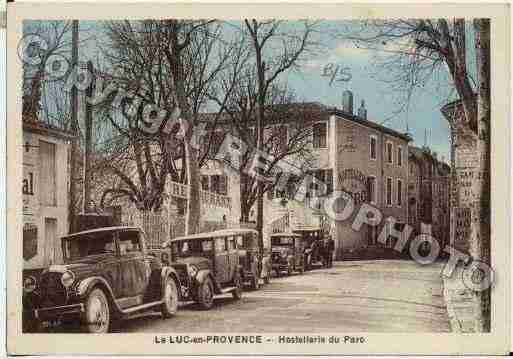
(362, 111)
(347, 102)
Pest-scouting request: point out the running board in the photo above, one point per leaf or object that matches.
(141, 307)
(228, 290)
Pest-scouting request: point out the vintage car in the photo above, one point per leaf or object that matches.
(207, 265)
(107, 273)
(287, 253)
(254, 261)
(312, 239)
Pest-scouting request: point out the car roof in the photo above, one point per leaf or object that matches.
(218, 233)
(102, 229)
(285, 234)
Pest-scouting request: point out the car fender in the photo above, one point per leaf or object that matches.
(202, 275)
(86, 286)
(169, 272)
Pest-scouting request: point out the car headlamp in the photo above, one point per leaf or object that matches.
(67, 279)
(29, 284)
(192, 270)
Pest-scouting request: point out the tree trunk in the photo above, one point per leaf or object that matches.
(193, 210)
(480, 234)
(260, 64)
(88, 145)
(74, 130)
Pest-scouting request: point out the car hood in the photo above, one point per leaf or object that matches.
(80, 270)
(81, 266)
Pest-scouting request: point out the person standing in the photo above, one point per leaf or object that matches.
(330, 248)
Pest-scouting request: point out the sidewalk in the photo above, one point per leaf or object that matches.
(459, 301)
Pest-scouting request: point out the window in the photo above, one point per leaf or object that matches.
(231, 243)
(373, 146)
(320, 135)
(204, 183)
(399, 192)
(129, 242)
(389, 191)
(279, 138)
(326, 177)
(399, 156)
(223, 185)
(390, 154)
(218, 184)
(47, 174)
(220, 244)
(371, 189)
(215, 143)
(94, 244)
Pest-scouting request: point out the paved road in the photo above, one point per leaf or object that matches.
(360, 296)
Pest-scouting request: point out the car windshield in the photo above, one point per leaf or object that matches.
(247, 241)
(191, 247)
(282, 241)
(81, 246)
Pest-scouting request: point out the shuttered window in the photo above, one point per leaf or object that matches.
(47, 174)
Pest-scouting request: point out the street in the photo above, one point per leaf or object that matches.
(359, 296)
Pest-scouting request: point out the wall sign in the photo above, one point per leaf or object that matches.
(354, 182)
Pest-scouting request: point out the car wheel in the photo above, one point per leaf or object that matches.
(267, 278)
(97, 312)
(237, 292)
(206, 294)
(170, 305)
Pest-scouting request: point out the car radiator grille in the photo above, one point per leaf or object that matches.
(53, 292)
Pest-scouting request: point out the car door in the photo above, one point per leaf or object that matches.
(221, 260)
(233, 257)
(110, 267)
(298, 252)
(135, 268)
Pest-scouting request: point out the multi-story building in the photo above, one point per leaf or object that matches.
(45, 193)
(363, 158)
(428, 194)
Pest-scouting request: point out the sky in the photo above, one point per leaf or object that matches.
(423, 118)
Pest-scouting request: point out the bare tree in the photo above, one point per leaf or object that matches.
(412, 52)
(172, 64)
(278, 48)
(287, 136)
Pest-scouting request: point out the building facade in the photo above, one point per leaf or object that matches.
(45, 190)
(428, 194)
(363, 158)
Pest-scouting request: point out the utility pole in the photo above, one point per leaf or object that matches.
(88, 129)
(74, 130)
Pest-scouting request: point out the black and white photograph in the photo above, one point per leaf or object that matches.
(188, 178)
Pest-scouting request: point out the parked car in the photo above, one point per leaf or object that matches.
(107, 273)
(287, 253)
(208, 265)
(255, 263)
(312, 239)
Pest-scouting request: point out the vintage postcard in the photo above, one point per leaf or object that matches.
(258, 179)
